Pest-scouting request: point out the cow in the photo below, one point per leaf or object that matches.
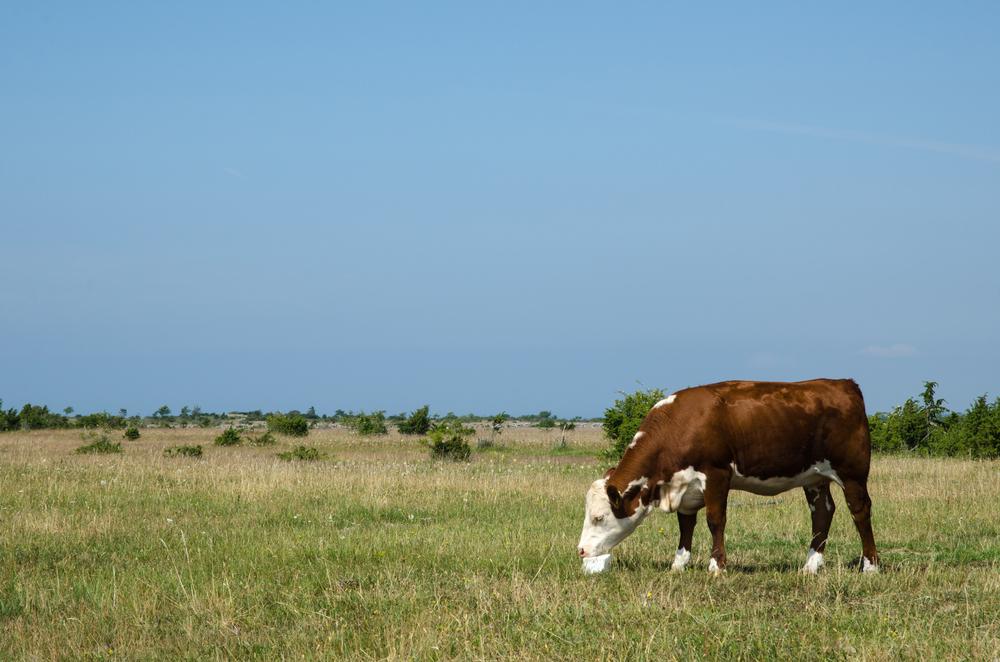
(696, 445)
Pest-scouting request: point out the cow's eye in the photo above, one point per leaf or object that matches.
(598, 519)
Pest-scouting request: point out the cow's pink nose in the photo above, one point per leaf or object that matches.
(581, 552)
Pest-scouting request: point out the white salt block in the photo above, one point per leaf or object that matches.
(595, 564)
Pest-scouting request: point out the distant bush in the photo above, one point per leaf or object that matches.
(131, 433)
(623, 418)
(9, 419)
(300, 453)
(185, 451)
(229, 437)
(266, 439)
(928, 428)
(419, 422)
(368, 424)
(99, 444)
(101, 420)
(446, 440)
(294, 425)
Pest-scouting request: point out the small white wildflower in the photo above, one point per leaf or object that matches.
(170, 521)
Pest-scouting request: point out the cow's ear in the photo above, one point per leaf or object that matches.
(614, 498)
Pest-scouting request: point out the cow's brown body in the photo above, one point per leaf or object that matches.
(754, 436)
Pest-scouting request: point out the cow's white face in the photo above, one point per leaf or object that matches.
(601, 529)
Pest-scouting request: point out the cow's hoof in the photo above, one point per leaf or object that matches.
(814, 561)
(868, 566)
(681, 559)
(714, 569)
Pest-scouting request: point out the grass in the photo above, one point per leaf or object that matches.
(376, 552)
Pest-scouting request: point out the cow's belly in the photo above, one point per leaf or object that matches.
(817, 474)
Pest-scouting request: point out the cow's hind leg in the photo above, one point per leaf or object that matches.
(821, 506)
(683, 554)
(856, 494)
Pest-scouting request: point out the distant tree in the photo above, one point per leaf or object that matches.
(68, 411)
(185, 412)
(367, 424)
(196, 411)
(419, 422)
(446, 440)
(162, 412)
(497, 424)
(123, 412)
(311, 413)
(294, 425)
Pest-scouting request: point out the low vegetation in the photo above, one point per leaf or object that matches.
(367, 424)
(99, 443)
(265, 439)
(927, 427)
(447, 440)
(419, 422)
(300, 453)
(183, 451)
(293, 425)
(131, 433)
(229, 437)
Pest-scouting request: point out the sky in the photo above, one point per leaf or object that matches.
(494, 206)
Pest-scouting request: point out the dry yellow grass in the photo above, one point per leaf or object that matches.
(377, 553)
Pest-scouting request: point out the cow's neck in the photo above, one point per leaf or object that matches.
(637, 463)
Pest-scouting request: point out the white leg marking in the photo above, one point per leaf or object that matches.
(868, 566)
(814, 561)
(681, 559)
(713, 567)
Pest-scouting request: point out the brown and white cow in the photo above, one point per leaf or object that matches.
(763, 437)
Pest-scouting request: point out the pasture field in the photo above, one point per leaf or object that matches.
(376, 552)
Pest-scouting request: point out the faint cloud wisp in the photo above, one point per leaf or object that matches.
(974, 152)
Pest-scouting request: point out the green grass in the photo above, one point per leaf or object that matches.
(376, 552)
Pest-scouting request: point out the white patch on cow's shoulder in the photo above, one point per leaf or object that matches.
(666, 401)
(685, 493)
(713, 567)
(868, 566)
(681, 559)
(814, 561)
(636, 438)
(817, 474)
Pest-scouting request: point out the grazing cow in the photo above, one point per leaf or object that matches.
(761, 437)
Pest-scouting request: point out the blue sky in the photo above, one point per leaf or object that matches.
(514, 206)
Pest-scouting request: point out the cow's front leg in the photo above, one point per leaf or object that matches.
(821, 506)
(716, 496)
(683, 554)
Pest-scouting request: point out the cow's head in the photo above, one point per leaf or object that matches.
(609, 516)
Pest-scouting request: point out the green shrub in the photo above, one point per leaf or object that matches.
(300, 453)
(185, 451)
(446, 440)
(294, 425)
(266, 439)
(131, 433)
(368, 424)
(101, 419)
(419, 422)
(9, 419)
(99, 444)
(623, 418)
(229, 437)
